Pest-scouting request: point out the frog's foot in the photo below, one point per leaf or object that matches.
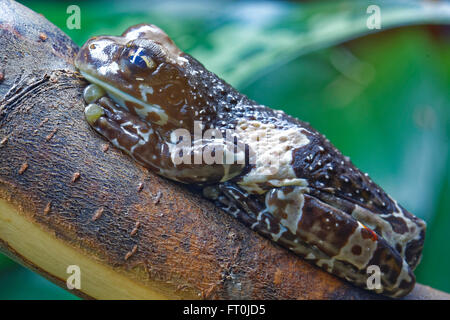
(320, 233)
(148, 147)
(122, 129)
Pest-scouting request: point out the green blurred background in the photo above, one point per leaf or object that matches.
(381, 96)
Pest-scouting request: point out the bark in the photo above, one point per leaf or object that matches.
(68, 198)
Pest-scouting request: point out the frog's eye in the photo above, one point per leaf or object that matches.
(139, 59)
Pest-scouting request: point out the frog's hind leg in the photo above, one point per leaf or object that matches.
(235, 202)
(324, 235)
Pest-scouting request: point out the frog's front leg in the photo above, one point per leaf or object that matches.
(150, 147)
(328, 237)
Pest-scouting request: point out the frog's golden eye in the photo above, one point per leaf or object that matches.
(141, 60)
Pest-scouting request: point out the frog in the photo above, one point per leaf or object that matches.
(272, 172)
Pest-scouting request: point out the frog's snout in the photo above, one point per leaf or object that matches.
(98, 56)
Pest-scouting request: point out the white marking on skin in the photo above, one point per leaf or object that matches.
(145, 89)
(368, 247)
(267, 223)
(126, 124)
(139, 143)
(293, 208)
(113, 67)
(98, 54)
(238, 158)
(373, 220)
(144, 135)
(272, 150)
(258, 218)
(181, 61)
(276, 236)
(404, 275)
(115, 142)
(174, 137)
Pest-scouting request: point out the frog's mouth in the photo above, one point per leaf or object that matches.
(121, 97)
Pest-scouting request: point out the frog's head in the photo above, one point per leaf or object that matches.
(142, 70)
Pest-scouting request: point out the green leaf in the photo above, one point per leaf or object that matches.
(242, 41)
(254, 44)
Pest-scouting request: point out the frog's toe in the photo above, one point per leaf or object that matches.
(93, 112)
(92, 93)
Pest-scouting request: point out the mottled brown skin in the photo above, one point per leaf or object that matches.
(344, 222)
(349, 186)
